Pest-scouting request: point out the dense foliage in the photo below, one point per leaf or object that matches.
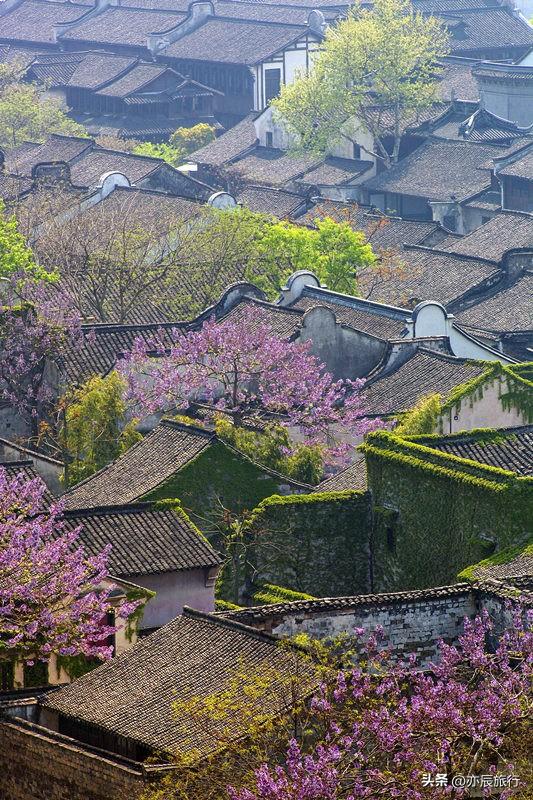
(240, 365)
(376, 71)
(95, 430)
(52, 597)
(26, 115)
(272, 448)
(382, 729)
(37, 326)
(182, 142)
(16, 258)
(377, 727)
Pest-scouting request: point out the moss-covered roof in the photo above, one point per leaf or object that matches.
(512, 565)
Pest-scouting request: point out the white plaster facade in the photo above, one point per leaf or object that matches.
(486, 411)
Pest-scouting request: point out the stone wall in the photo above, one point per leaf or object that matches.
(412, 621)
(434, 516)
(317, 544)
(36, 764)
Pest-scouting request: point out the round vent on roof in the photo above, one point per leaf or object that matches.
(222, 201)
(110, 180)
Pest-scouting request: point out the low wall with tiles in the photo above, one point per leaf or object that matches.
(36, 764)
(412, 621)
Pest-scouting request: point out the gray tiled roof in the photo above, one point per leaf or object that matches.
(144, 540)
(383, 232)
(425, 372)
(267, 12)
(267, 200)
(521, 168)
(256, 614)
(87, 170)
(88, 162)
(479, 126)
(509, 309)
(125, 26)
(140, 206)
(231, 144)
(26, 468)
(457, 81)
(352, 477)
(55, 69)
(490, 29)
(517, 568)
(10, 54)
(427, 275)
(272, 167)
(105, 344)
(505, 231)
(13, 186)
(34, 20)
(437, 170)
(234, 41)
(142, 468)
(195, 655)
(335, 172)
(372, 318)
(136, 79)
(97, 69)
(284, 322)
(509, 448)
(56, 148)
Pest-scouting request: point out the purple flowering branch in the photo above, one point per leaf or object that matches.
(241, 366)
(37, 326)
(53, 598)
(386, 724)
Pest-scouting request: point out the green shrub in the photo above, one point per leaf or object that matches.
(273, 449)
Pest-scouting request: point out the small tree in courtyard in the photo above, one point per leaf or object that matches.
(241, 366)
(377, 68)
(94, 430)
(52, 600)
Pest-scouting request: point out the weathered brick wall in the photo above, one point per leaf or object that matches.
(410, 625)
(38, 766)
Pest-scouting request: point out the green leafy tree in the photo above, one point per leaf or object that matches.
(26, 115)
(15, 255)
(332, 250)
(95, 430)
(244, 245)
(191, 139)
(182, 142)
(271, 446)
(172, 155)
(377, 69)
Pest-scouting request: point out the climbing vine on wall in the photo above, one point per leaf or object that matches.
(451, 511)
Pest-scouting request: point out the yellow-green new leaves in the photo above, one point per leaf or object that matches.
(27, 116)
(95, 431)
(15, 255)
(377, 69)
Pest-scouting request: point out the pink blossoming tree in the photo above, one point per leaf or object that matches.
(387, 730)
(52, 597)
(242, 367)
(37, 326)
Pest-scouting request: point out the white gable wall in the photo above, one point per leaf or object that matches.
(294, 59)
